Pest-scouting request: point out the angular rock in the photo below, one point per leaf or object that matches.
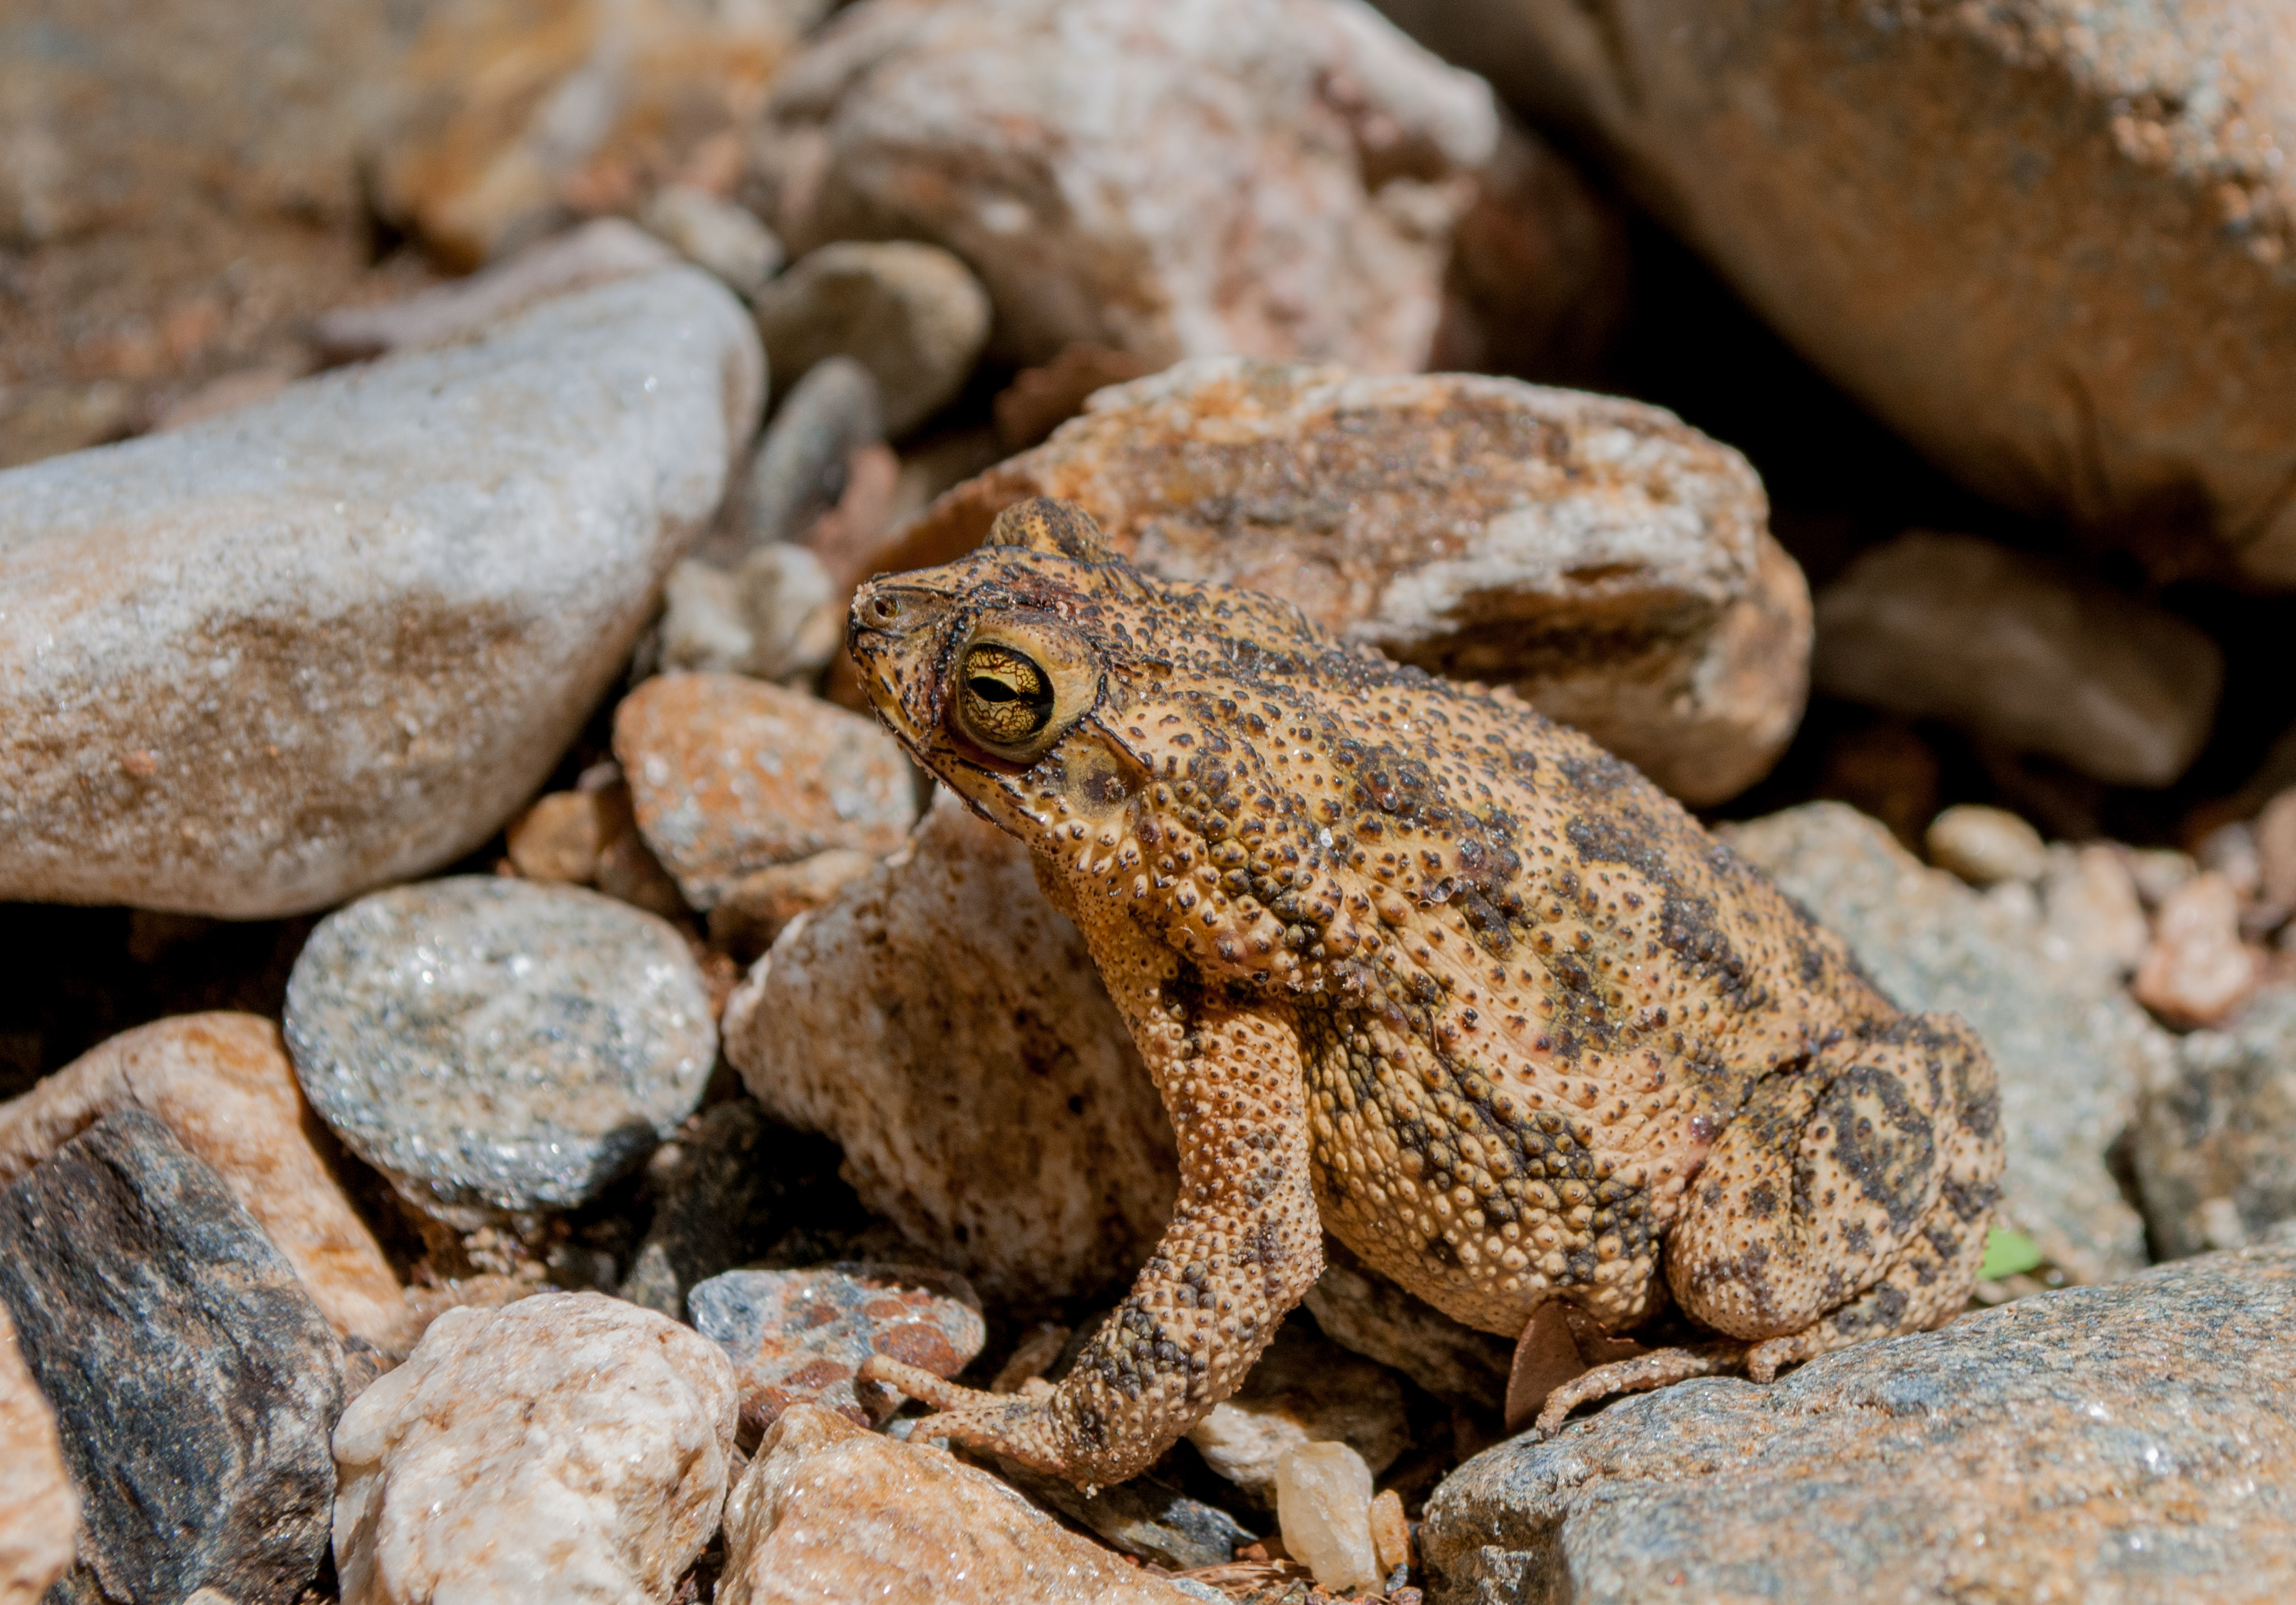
(730, 776)
(775, 617)
(223, 1085)
(829, 1511)
(2020, 652)
(1276, 176)
(1053, 1176)
(1304, 1390)
(2214, 1147)
(336, 639)
(1359, 1309)
(194, 1381)
(2197, 971)
(717, 235)
(714, 1186)
(1612, 565)
(2049, 246)
(761, 905)
(2069, 1048)
(1322, 1497)
(910, 314)
(39, 1508)
(1985, 847)
(798, 1337)
(2074, 1446)
(497, 1044)
(570, 1443)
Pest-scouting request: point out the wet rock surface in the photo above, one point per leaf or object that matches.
(39, 1508)
(493, 1044)
(2076, 1445)
(194, 1382)
(2214, 1146)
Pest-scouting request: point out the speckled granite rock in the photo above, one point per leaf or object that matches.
(2069, 1047)
(1052, 1174)
(2214, 1140)
(2130, 1443)
(194, 1381)
(39, 1508)
(495, 1044)
(239, 666)
(1612, 565)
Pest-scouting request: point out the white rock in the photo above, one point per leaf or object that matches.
(1305, 1389)
(39, 1508)
(336, 639)
(2089, 901)
(773, 617)
(1323, 1501)
(570, 1447)
(1985, 847)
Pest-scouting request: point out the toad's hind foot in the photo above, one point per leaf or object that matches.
(1658, 1369)
(1017, 1427)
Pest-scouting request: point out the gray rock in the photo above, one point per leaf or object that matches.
(2069, 1047)
(1359, 1309)
(2130, 1443)
(715, 234)
(799, 470)
(2215, 1141)
(335, 639)
(495, 1044)
(1146, 1516)
(913, 315)
(194, 1382)
(716, 1186)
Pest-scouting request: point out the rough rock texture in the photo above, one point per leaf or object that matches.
(2069, 1049)
(570, 1439)
(2215, 1141)
(2048, 241)
(1612, 565)
(2130, 1443)
(829, 1513)
(760, 906)
(2019, 652)
(798, 1337)
(939, 1008)
(497, 1044)
(1273, 176)
(222, 1083)
(1359, 1309)
(194, 1382)
(910, 314)
(730, 776)
(39, 1508)
(1305, 1389)
(239, 665)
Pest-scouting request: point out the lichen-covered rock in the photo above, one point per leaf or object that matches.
(336, 638)
(39, 1508)
(2214, 1145)
(945, 1025)
(569, 1443)
(2135, 1441)
(1612, 565)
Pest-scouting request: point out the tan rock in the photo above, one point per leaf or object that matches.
(1323, 1498)
(222, 1084)
(2197, 971)
(39, 1508)
(730, 776)
(1050, 1174)
(2089, 903)
(1305, 1389)
(1613, 566)
(1985, 847)
(2276, 850)
(558, 838)
(829, 1513)
(909, 313)
(760, 905)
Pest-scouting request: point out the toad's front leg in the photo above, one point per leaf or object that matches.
(1242, 1250)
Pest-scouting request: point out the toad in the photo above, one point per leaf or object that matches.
(1411, 963)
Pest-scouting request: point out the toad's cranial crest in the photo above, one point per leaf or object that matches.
(1409, 962)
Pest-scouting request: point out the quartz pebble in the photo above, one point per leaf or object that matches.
(493, 1044)
(2197, 971)
(1391, 1532)
(223, 1085)
(829, 1511)
(1985, 847)
(2214, 1143)
(1305, 1388)
(39, 1508)
(715, 234)
(1323, 1499)
(910, 314)
(570, 1443)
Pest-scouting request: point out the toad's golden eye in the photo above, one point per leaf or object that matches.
(1006, 700)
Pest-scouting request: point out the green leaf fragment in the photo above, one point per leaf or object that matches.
(2008, 1254)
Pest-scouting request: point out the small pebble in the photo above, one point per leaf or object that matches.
(2197, 971)
(799, 470)
(1323, 1501)
(1985, 847)
(2090, 905)
(1305, 1388)
(912, 314)
(558, 838)
(39, 1508)
(1391, 1533)
(775, 617)
(715, 234)
(2158, 872)
(494, 1044)
(2231, 852)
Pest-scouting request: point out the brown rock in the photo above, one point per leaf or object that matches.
(39, 1508)
(829, 1511)
(1612, 565)
(1051, 1174)
(558, 838)
(757, 908)
(1040, 400)
(730, 776)
(2276, 850)
(909, 313)
(2197, 971)
(1359, 1308)
(222, 1084)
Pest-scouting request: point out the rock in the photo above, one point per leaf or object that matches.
(493, 1044)
(558, 838)
(570, 1443)
(2276, 850)
(850, 538)
(2231, 850)
(222, 1086)
(1053, 1176)
(759, 906)
(2158, 872)
(193, 1380)
(240, 668)
(2020, 653)
(227, 393)
(730, 777)
(2214, 1147)
(1323, 1498)
(2197, 971)
(2080, 222)
(1040, 400)
(1145, 1517)
(2091, 908)
(1391, 1532)
(910, 314)
(2069, 1445)
(717, 235)
(829, 1511)
(776, 617)
(1359, 1309)
(1305, 1389)
(1276, 176)
(716, 1186)
(1612, 565)
(1985, 847)
(800, 471)
(2069, 1049)
(39, 1508)
(798, 1337)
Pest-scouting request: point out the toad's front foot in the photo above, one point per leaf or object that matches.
(1020, 1427)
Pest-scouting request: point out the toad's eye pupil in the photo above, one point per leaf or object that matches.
(992, 690)
(1006, 700)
